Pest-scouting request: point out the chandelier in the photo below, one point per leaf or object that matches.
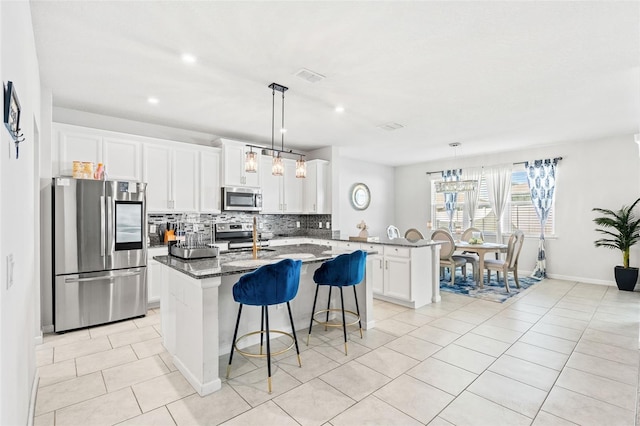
(455, 184)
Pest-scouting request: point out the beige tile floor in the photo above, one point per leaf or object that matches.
(560, 353)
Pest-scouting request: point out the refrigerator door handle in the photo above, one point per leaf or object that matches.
(110, 226)
(102, 227)
(101, 278)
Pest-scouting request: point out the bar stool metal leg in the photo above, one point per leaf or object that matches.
(266, 317)
(261, 328)
(293, 331)
(315, 299)
(233, 342)
(328, 306)
(344, 322)
(355, 296)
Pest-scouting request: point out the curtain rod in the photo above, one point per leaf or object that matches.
(520, 162)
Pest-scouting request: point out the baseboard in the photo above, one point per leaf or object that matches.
(581, 279)
(47, 328)
(32, 400)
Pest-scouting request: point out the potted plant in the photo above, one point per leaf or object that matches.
(622, 231)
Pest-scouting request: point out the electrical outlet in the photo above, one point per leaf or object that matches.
(297, 224)
(320, 225)
(152, 229)
(328, 225)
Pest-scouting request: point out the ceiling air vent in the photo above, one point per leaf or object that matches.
(310, 76)
(391, 126)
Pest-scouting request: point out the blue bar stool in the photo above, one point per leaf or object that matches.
(341, 271)
(268, 285)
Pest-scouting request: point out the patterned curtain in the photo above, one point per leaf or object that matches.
(499, 189)
(541, 175)
(451, 198)
(471, 197)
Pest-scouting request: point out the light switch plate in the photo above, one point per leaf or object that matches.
(320, 225)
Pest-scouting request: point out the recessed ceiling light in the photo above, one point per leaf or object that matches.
(153, 100)
(188, 58)
(339, 108)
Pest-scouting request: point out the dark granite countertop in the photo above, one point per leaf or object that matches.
(400, 242)
(229, 263)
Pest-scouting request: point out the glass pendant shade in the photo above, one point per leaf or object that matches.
(277, 169)
(251, 162)
(456, 186)
(301, 168)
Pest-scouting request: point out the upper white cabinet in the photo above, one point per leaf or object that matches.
(210, 180)
(157, 174)
(281, 194)
(233, 159)
(120, 155)
(317, 194)
(75, 144)
(122, 159)
(185, 175)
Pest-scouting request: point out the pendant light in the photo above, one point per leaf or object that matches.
(277, 165)
(301, 168)
(251, 161)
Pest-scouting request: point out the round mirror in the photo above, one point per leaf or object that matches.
(360, 196)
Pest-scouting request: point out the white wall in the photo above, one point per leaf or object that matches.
(600, 173)
(379, 179)
(19, 304)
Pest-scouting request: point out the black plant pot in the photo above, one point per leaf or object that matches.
(626, 278)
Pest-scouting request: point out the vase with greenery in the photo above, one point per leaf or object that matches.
(622, 230)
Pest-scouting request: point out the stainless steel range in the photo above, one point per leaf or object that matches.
(240, 236)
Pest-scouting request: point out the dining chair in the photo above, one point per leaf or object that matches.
(413, 235)
(393, 232)
(470, 257)
(447, 259)
(268, 285)
(510, 263)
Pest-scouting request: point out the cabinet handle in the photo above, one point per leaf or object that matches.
(380, 263)
(314, 207)
(386, 264)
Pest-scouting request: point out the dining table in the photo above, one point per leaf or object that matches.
(481, 249)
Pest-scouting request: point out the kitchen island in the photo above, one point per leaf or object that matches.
(198, 310)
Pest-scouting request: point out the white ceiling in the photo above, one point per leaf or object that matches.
(492, 75)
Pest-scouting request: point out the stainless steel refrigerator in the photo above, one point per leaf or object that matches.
(99, 251)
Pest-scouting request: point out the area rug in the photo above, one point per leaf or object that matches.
(493, 291)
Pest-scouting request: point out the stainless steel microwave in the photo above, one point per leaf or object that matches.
(241, 199)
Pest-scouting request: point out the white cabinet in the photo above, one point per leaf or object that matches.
(185, 184)
(317, 194)
(122, 159)
(395, 279)
(400, 274)
(210, 181)
(172, 173)
(281, 194)
(76, 144)
(154, 275)
(120, 155)
(233, 168)
(157, 173)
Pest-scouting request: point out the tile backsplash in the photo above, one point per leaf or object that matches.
(280, 224)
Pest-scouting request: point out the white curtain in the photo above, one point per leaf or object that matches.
(471, 197)
(499, 188)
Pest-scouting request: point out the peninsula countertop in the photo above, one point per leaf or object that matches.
(229, 263)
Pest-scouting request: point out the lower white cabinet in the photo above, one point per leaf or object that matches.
(404, 275)
(154, 275)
